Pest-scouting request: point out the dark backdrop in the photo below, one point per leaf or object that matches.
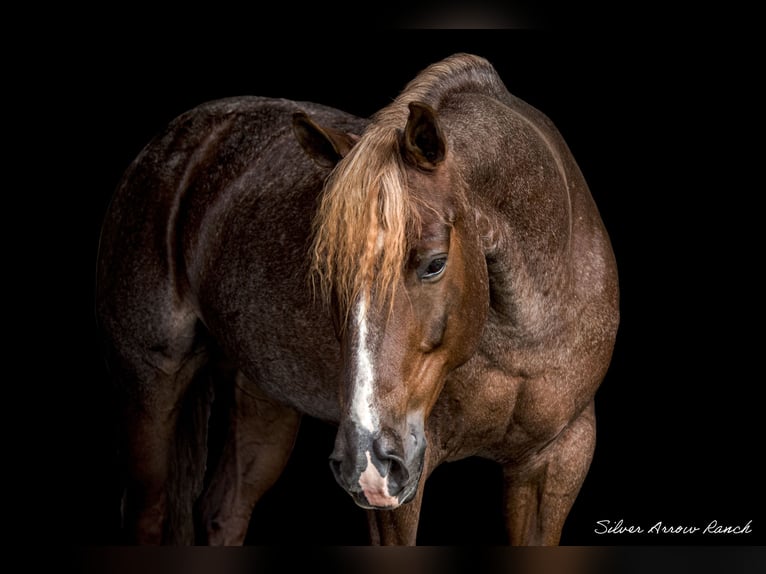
(659, 129)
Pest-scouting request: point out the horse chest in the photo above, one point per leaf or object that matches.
(473, 411)
(488, 411)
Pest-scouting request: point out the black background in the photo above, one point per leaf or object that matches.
(661, 128)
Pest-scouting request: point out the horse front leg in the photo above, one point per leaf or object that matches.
(398, 527)
(261, 435)
(538, 498)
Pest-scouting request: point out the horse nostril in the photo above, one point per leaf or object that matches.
(386, 448)
(398, 475)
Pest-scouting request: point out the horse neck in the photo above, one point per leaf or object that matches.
(515, 167)
(529, 287)
(527, 229)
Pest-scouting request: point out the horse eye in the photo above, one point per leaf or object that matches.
(434, 268)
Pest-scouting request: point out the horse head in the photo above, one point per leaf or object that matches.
(398, 255)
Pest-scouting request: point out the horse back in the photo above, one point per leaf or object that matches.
(164, 221)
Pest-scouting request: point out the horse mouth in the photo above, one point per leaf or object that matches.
(376, 501)
(370, 489)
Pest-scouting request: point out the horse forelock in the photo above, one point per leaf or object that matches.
(362, 226)
(367, 215)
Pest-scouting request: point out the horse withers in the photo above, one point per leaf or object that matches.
(436, 280)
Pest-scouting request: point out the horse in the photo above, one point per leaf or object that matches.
(435, 280)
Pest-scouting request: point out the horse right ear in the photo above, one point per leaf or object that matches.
(325, 145)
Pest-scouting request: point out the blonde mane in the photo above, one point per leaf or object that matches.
(367, 217)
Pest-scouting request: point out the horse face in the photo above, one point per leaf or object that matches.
(398, 352)
(397, 355)
(398, 346)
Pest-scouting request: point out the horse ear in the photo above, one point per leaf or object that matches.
(423, 142)
(325, 145)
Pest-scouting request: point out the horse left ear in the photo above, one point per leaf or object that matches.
(423, 142)
(325, 145)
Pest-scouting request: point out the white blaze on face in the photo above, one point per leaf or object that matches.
(375, 487)
(362, 404)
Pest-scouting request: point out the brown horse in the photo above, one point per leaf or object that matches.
(437, 282)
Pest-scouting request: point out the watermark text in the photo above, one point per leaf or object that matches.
(711, 528)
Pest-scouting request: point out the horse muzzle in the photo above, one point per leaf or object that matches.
(381, 470)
